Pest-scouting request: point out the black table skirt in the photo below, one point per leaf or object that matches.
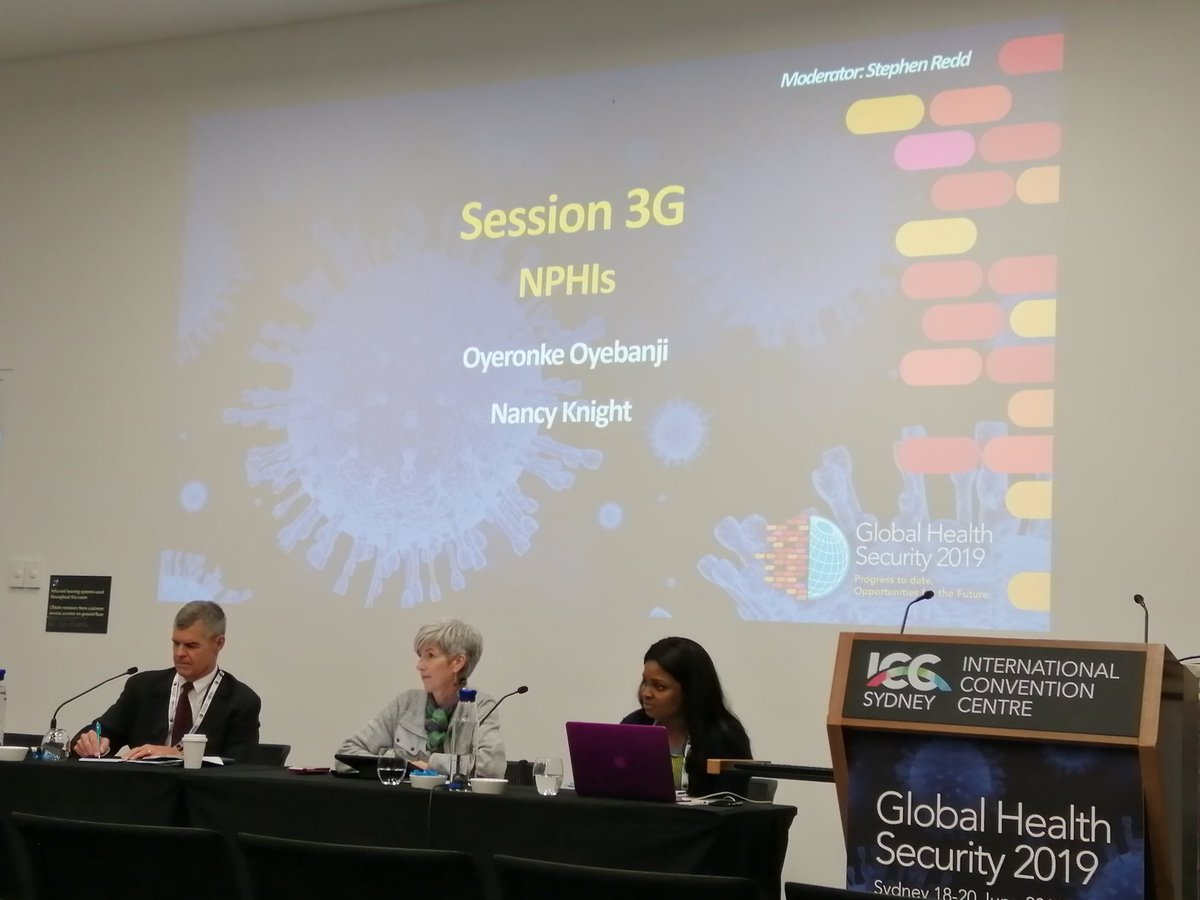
(750, 840)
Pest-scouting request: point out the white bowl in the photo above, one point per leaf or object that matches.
(488, 785)
(13, 754)
(426, 782)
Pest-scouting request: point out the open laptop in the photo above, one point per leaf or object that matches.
(627, 762)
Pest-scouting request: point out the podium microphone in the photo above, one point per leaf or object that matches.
(1141, 601)
(523, 689)
(928, 595)
(132, 670)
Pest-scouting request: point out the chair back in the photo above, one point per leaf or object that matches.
(268, 755)
(14, 867)
(519, 771)
(107, 861)
(282, 869)
(533, 879)
(794, 890)
(761, 789)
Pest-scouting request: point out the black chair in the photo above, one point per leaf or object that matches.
(794, 890)
(14, 867)
(268, 755)
(105, 861)
(533, 879)
(285, 869)
(519, 771)
(762, 789)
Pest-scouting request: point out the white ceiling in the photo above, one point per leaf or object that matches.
(30, 28)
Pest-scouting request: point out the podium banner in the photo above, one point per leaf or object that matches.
(947, 818)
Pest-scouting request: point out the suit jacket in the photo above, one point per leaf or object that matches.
(140, 715)
(401, 727)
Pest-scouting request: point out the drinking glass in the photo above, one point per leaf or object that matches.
(547, 775)
(389, 767)
(54, 746)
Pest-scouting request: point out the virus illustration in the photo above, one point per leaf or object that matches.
(817, 274)
(610, 516)
(1069, 760)
(957, 770)
(193, 496)
(1122, 876)
(388, 438)
(861, 878)
(213, 272)
(678, 432)
(182, 577)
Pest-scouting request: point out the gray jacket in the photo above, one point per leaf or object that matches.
(401, 726)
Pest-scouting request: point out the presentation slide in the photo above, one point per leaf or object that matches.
(768, 336)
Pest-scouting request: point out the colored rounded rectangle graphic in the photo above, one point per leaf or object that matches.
(1030, 590)
(969, 106)
(1013, 143)
(1029, 499)
(972, 190)
(1024, 275)
(939, 280)
(1032, 408)
(1038, 185)
(950, 366)
(936, 237)
(937, 455)
(1034, 318)
(1036, 53)
(879, 115)
(1027, 454)
(1013, 365)
(962, 322)
(938, 150)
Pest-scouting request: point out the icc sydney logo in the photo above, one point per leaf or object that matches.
(899, 670)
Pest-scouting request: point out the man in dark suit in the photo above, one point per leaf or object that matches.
(156, 709)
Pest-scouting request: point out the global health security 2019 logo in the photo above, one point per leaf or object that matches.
(899, 670)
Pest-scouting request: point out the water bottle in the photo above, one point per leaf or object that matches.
(3, 705)
(463, 740)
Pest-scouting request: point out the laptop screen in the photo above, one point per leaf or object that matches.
(627, 762)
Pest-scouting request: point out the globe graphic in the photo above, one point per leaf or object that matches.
(828, 557)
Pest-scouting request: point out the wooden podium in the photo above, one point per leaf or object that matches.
(993, 768)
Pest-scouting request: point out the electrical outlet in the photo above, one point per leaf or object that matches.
(33, 574)
(16, 574)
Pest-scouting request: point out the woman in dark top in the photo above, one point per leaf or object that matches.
(680, 690)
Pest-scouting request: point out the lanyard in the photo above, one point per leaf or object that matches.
(683, 776)
(173, 703)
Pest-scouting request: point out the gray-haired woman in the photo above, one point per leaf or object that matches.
(420, 724)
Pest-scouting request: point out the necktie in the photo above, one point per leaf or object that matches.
(183, 714)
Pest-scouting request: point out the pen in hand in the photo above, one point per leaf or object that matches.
(99, 750)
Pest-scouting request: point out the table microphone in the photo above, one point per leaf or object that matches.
(132, 670)
(928, 595)
(1141, 601)
(523, 689)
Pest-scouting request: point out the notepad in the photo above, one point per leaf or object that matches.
(151, 760)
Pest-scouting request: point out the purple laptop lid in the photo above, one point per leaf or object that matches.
(628, 762)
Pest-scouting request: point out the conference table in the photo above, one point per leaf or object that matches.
(749, 840)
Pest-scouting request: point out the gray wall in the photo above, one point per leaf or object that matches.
(93, 171)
